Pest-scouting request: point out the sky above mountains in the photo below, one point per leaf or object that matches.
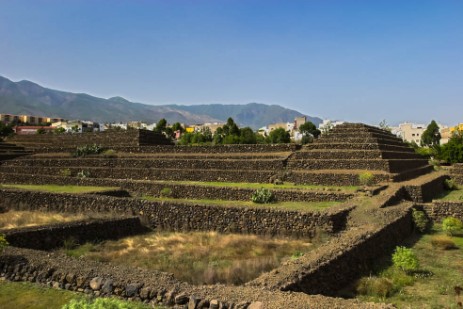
(352, 60)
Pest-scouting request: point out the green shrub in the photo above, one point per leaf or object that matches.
(83, 174)
(110, 153)
(420, 220)
(450, 184)
(451, 225)
(405, 259)
(88, 150)
(366, 179)
(65, 172)
(375, 286)
(166, 192)
(443, 242)
(102, 303)
(3, 242)
(263, 196)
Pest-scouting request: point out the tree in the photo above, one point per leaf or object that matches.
(161, 126)
(431, 136)
(178, 127)
(247, 136)
(452, 152)
(308, 130)
(384, 126)
(5, 129)
(279, 136)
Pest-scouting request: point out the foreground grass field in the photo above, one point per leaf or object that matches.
(58, 188)
(435, 284)
(15, 219)
(299, 206)
(454, 195)
(198, 257)
(25, 295)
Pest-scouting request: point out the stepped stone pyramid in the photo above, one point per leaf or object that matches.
(11, 151)
(348, 150)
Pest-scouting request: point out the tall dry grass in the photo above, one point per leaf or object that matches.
(201, 257)
(15, 219)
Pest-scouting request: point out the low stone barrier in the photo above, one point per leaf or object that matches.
(153, 287)
(172, 216)
(439, 210)
(425, 192)
(54, 236)
(341, 261)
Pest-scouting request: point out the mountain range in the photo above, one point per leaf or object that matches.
(28, 98)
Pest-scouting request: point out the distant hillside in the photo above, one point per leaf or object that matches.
(25, 97)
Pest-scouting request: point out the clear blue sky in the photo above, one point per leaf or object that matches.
(351, 60)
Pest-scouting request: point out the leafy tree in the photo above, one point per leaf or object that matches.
(279, 136)
(6, 129)
(452, 152)
(431, 136)
(309, 128)
(384, 126)
(178, 127)
(247, 136)
(161, 126)
(41, 131)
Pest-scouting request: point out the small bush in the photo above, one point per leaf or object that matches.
(366, 179)
(166, 192)
(3, 242)
(263, 196)
(65, 172)
(70, 243)
(452, 226)
(450, 184)
(110, 153)
(443, 242)
(83, 174)
(375, 286)
(420, 220)
(88, 150)
(102, 303)
(405, 259)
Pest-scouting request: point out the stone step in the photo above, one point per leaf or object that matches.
(362, 134)
(354, 154)
(390, 165)
(335, 178)
(177, 163)
(254, 176)
(357, 146)
(367, 140)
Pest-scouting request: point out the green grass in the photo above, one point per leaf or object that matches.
(262, 185)
(299, 206)
(453, 195)
(24, 295)
(433, 286)
(58, 188)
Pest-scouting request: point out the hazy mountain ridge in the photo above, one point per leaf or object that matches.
(26, 97)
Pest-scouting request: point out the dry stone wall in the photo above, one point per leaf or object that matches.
(439, 210)
(173, 216)
(54, 236)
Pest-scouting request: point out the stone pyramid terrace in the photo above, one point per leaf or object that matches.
(351, 149)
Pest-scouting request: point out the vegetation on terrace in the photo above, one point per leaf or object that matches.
(59, 188)
(452, 196)
(434, 285)
(198, 257)
(298, 206)
(25, 295)
(16, 219)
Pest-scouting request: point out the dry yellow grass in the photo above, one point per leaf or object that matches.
(199, 257)
(15, 219)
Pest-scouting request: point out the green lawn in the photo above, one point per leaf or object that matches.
(299, 206)
(58, 188)
(24, 295)
(454, 195)
(262, 185)
(433, 286)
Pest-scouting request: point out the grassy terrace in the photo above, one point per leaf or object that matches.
(433, 285)
(58, 188)
(25, 295)
(15, 219)
(198, 257)
(299, 206)
(262, 185)
(454, 195)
